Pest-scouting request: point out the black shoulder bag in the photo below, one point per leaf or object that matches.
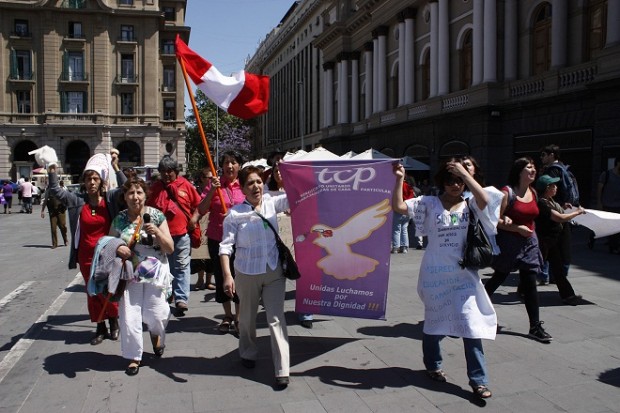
(478, 252)
(289, 266)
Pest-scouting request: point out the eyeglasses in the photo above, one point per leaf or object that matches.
(452, 181)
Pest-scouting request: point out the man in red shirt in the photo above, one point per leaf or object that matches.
(178, 199)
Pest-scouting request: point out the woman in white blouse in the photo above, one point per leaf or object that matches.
(258, 273)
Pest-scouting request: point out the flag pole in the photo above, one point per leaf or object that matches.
(205, 145)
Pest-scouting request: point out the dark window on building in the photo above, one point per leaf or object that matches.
(75, 30)
(73, 102)
(127, 104)
(126, 2)
(169, 78)
(23, 101)
(127, 69)
(21, 28)
(127, 34)
(74, 66)
(465, 67)
(426, 75)
(21, 64)
(169, 109)
(541, 36)
(169, 14)
(597, 26)
(167, 46)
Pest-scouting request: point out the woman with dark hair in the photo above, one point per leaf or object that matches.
(144, 298)
(90, 216)
(455, 303)
(230, 163)
(258, 272)
(518, 243)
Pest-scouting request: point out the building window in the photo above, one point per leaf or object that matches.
(75, 30)
(127, 104)
(73, 102)
(21, 28)
(73, 4)
(127, 69)
(167, 47)
(23, 101)
(126, 2)
(597, 26)
(426, 76)
(169, 78)
(169, 14)
(393, 90)
(466, 61)
(74, 66)
(127, 34)
(21, 65)
(169, 109)
(541, 58)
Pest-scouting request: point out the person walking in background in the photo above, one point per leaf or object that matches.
(178, 199)
(230, 162)
(57, 213)
(90, 216)
(400, 225)
(144, 298)
(203, 263)
(608, 199)
(27, 196)
(554, 236)
(455, 302)
(258, 272)
(518, 243)
(568, 190)
(7, 192)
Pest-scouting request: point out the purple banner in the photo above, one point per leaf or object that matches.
(342, 222)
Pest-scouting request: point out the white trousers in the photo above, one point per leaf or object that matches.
(271, 286)
(141, 303)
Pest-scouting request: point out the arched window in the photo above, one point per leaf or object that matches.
(129, 154)
(597, 27)
(426, 75)
(541, 39)
(76, 155)
(465, 59)
(393, 87)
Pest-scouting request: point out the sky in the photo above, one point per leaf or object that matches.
(225, 32)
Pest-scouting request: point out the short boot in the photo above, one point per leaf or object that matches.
(100, 335)
(114, 331)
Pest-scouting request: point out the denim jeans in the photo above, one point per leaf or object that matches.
(474, 356)
(400, 232)
(179, 267)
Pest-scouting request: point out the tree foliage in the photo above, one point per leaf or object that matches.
(234, 134)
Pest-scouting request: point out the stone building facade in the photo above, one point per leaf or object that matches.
(496, 79)
(84, 76)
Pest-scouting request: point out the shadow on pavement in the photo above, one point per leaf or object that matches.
(611, 377)
(69, 364)
(407, 330)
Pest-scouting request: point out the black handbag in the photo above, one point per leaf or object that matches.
(289, 266)
(478, 252)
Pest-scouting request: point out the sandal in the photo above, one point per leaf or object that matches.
(482, 391)
(200, 285)
(133, 369)
(437, 375)
(224, 326)
(211, 286)
(158, 349)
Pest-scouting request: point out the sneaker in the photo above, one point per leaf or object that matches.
(537, 332)
(437, 375)
(394, 250)
(543, 282)
(572, 300)
(403, 250)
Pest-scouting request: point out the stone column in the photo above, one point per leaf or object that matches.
(443, 84)
(343, 89)
(355, 88)
(401, 60)
(381, 68)
(434, 46)
(559, 22)
(368, 64)
(409, 56)
(490, 41)
(328, 103)
(375, 72)
(510, 40)
(613, 23)
(478, 42)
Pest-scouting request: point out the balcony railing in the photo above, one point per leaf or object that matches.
(73, 4)
(127, 37)
(21, 33)
(127, 79)
(168, 88)
(22, 76)
(76, 36)
(74, 76)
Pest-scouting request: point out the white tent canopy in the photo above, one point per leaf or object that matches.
(348, 155)
(294, 156)
(412, 164)
(317, 154)
(371, 154)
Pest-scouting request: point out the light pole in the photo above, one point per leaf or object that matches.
(300, 83)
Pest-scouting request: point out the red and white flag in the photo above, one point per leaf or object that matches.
(243, 94)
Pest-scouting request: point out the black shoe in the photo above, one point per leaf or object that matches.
(248, 364)
(306, 323)
(537, 332)
(282, 382)
(100, 335)
(158, 349)
(114, 331)
(572, 300)
(133, 369)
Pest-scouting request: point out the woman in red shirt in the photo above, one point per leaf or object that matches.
(516, 238)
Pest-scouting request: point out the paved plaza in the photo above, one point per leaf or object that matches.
(341, 365)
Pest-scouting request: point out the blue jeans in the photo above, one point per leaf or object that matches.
(179, 267)
(474, 355)
(400, 232)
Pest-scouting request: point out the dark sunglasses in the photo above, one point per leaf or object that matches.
(451, 181)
